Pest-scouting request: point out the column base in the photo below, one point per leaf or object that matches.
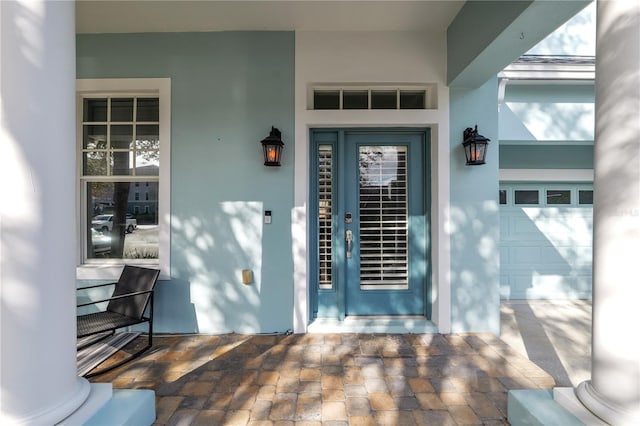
(106, 406)
(608, 412)
(537, 407)
(53, 415)
(567, 398)
(99, 395)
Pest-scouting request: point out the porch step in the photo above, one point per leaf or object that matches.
(405, 325)
(130, 407)
(537, 407)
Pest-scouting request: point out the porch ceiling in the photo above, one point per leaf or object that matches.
(113, 16)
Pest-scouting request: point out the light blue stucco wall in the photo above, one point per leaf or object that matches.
(227, 90)
(547, 126)
(475, 221)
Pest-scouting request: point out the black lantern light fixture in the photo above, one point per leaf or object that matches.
(475, 146)
(272, 147)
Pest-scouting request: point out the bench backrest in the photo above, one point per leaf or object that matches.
(133, 279)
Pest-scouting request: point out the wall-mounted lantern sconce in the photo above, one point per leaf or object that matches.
(272, 147)
(475, 146)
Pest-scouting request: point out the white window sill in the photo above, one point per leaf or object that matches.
(109, 272)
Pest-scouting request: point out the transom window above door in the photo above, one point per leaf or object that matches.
(372, 97)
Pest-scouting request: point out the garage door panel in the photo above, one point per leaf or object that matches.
(523, 227)
(546, 251)
(572, 256)
(525, 255)
(540, 286)
(505, 255)
(557, 256)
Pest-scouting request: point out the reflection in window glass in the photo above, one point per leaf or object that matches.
(147, 163)
(121, 164)
(383, 219)
(325, 216)
(95, 110)
(147, 109)
(384, 99)
(562, 196)
(411, 99)
(94, 137)
(122, 109)
(326, 99)
(585, 196)
(94, 163)
(355, 99)
(116, 228)
(118, 155)
(526, 196)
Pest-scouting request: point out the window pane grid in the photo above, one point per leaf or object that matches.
(113, 139)
(372, 98)
(325, 216)
(119, 154)
(554, 195)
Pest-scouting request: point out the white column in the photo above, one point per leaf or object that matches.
(613, 393)
(38, 379)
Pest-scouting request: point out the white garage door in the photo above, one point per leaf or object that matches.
(546, 236)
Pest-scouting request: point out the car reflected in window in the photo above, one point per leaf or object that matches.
(100, 242)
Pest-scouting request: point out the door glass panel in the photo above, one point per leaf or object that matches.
(383, 217)
(325, 211)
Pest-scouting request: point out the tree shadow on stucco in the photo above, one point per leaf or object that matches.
(204, 251)
(210, 251)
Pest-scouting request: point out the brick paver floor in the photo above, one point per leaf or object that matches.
(330, 379)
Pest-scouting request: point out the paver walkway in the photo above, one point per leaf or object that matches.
(336, 379)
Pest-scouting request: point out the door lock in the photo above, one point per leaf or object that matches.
(347, 218)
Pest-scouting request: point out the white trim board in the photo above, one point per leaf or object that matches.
(546, 175)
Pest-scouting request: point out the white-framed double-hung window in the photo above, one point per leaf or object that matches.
(123, 145)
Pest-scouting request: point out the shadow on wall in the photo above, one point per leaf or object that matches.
(475, 299)
(555, 121)
(173, 310)
(209, 252)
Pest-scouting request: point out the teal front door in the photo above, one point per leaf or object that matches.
(371, 233)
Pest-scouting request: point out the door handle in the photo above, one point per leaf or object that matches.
(348, 236)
